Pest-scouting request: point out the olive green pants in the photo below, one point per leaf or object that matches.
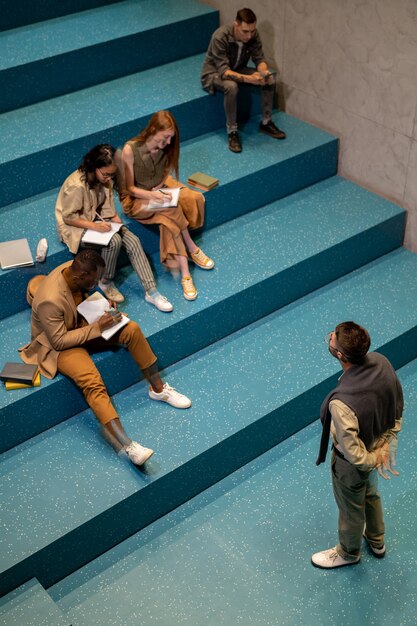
(359, 502)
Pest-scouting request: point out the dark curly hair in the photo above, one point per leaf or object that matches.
(98, 157)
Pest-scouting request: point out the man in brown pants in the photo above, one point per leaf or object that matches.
(62, 341)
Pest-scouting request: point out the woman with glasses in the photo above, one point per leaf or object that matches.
(149, 159)
(86, 201)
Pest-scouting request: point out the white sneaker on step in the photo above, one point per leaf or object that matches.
(137, 453)
(159, 301)
(170, 396)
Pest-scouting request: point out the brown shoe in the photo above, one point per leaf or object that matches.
(234, 141)
(272, 130)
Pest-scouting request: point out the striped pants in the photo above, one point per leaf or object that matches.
(127, 240)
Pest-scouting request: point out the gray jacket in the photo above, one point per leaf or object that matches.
(223, 53)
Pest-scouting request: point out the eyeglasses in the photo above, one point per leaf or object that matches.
(106, 174)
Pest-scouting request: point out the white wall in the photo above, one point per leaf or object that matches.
(350, 67)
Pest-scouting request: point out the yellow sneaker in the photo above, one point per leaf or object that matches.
(188, 288)
(202, 260)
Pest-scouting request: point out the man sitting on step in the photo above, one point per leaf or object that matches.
(62, 341)
(225, 69)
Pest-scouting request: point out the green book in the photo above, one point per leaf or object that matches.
(203, 181)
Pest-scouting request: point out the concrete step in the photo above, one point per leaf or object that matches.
(60, 56)
(240, 551)
(68, 497)
(30, 605)
(266, 171)
(264, 260)
(111, 112)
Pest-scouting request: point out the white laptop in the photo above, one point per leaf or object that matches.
(15, 253)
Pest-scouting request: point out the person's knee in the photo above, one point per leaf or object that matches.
(115, 243)
(230, 88)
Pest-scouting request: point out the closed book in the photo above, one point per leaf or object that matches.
(203, 181)
(19, 373)
(12, 385)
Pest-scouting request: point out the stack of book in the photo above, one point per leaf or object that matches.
(20, 376)
(202, 181)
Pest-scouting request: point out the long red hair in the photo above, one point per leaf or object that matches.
(164, 120)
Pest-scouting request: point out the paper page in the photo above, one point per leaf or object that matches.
(174, 191)
(93, 236)
(94, 307)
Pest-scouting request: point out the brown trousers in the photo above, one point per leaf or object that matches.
(188, 214)
(77, 364)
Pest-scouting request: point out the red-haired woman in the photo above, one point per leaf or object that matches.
(148, 160)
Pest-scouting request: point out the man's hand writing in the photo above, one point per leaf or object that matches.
(107, 320)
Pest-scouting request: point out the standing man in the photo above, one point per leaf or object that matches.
(225, 69)
(363, 414)
(61, 341)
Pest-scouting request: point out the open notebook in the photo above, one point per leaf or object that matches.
(93, 308)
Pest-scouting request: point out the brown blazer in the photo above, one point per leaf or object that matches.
(54, 324)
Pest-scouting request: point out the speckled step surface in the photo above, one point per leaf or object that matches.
(111, 112)
(58, 56)
(267, 170)
(68, 497)
(18, 15)
(282, 252)
(30, 605)
(239, 553)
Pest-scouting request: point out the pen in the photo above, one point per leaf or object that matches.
(164, 193)
(99, 216)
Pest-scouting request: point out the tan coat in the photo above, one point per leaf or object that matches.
(77, 200)
(54, 324)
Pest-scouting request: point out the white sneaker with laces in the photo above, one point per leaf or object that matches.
(170, 396)
(329, 559)
(137, 453)
(159, 301)
(111, 292)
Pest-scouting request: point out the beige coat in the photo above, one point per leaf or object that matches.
(54, 324)
(77, 200)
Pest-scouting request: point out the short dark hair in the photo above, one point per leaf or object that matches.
(246, 15)
(88, 260)
(353, 341)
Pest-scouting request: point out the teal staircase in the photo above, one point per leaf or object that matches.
(297, 249)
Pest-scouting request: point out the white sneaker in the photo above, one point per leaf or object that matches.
(159, 301)
(328, 559)
(137, 453)
(171, 396)
(111, 292)
(378, 552)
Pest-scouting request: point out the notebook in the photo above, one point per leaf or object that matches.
(93, 307)
(9, 384)
(19, 372)
(101, 239)
(174, 192)
(15, 253)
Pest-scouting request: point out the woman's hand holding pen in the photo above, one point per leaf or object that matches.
(101, 227)
(160, 195)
